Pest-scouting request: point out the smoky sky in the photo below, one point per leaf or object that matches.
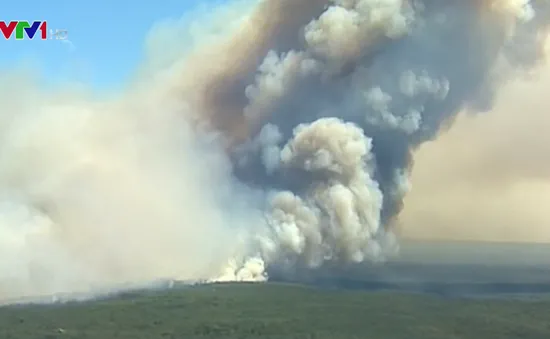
(285, 142)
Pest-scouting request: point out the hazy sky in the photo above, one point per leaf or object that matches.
(107, 37)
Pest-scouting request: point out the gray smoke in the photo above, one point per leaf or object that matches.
(283, 144)
(371, 81)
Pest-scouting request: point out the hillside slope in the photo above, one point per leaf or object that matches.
(278, 311)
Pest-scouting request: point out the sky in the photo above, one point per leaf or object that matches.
(107, 37)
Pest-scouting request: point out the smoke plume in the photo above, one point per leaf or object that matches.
(283, 143)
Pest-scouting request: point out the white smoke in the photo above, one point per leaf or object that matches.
(102, 193)
(350, 28)
(339, 153)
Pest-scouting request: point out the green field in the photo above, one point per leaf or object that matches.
(278, 311)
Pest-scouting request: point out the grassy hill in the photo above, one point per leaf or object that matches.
(278, 311)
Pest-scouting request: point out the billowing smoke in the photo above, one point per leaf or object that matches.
(101, 193)
(369, 82)
(283, 144)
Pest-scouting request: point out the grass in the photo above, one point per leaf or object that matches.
(278, 311)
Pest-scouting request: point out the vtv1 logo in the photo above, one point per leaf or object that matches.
(22, 28)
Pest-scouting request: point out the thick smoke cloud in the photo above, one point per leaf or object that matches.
(102, 193)
(386, 68)
(494, 184)
(283, 143)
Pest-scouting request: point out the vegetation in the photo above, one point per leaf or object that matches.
(278, 311)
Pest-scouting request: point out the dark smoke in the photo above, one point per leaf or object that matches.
(400, 71)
